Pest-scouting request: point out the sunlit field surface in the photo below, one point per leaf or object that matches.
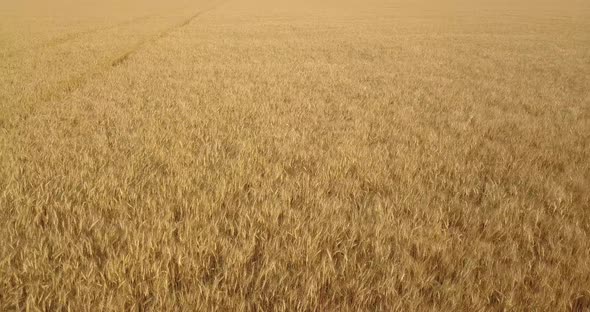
(258, 155)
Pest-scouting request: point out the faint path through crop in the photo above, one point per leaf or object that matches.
(68, 85)
(73, 36)
(166, 32)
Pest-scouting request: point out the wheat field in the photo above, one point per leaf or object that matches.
(258, 155)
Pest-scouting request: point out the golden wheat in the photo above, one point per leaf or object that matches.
(295, 155)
